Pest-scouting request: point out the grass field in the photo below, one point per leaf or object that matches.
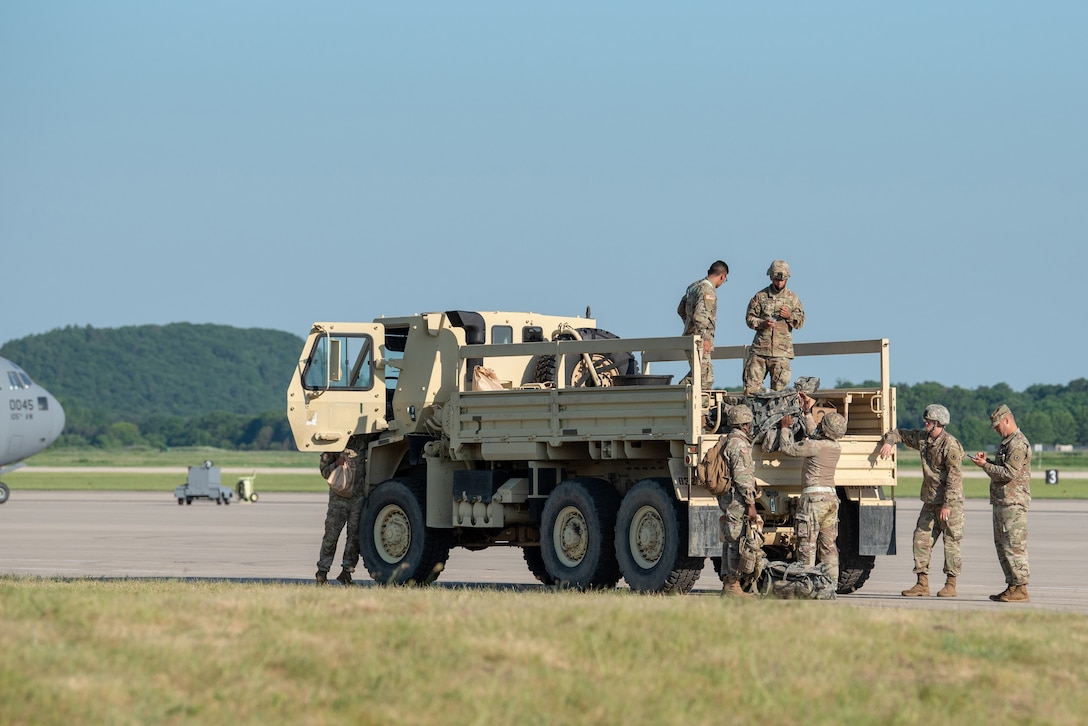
(171, 652)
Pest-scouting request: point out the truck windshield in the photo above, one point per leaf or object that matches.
(342, 362)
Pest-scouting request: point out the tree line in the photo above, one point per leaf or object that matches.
(1048, 415)
(185, 384)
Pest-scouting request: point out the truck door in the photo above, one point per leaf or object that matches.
(338, 388)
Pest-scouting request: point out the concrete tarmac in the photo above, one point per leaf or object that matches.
(148, 535)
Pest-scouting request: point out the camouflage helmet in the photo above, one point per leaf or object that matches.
(738, 415)
(779, 270)
(833, 425)
(937, 412)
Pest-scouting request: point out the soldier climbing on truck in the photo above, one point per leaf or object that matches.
(501, 429)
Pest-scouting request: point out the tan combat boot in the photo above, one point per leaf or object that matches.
(920, 589)
(1000, 597)
(1015, 593)
(731, 588)
(949, 589)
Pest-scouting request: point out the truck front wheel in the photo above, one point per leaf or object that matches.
(395, 542)
(651, 541)
(577, 534)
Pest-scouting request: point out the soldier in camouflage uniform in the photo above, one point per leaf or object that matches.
(739, 503)
(942, 496)
(698, 309)
(343, 510)
(774, 313)
(817, 518)
(1010, 495)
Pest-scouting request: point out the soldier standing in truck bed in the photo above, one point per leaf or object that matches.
(774, 313)
(698, 309)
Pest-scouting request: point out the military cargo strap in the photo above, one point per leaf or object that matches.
(818, 490)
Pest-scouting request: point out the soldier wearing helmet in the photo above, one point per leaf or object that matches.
(816, 522)
(739, 503)
(774, 313)
(698, 309)
(941, 495)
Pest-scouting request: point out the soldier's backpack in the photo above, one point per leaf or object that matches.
(711, 471)
(342, 478)
(796, 581)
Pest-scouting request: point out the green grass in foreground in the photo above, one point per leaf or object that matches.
(164, 651)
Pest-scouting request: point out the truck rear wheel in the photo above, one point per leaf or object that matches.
(577, 534)
(395, 542)
(854, 568)
(651, 541)
(578, 373)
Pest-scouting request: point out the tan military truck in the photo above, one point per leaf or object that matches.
(544, 432)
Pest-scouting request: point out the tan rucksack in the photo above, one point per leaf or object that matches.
(711, 472)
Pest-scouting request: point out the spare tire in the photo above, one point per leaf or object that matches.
(578, 374)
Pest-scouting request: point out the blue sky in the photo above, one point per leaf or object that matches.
(922, 166)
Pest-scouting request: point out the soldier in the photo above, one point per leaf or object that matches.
(942, 496)
(698, 309)
(739, 502)
(774, 313)
(1010, 496)
(343, 510)
(817, 515)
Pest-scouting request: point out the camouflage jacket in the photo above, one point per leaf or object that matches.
(698, 309)
(1010, 471)
(821, 458)
(777, 340)
(738, 458)
(942, 461)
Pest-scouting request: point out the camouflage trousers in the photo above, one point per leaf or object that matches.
(929, 528)
(1011, 541)
(341, 511)
(706, 371)
(817, 527)
(756, 368)
(735, 514)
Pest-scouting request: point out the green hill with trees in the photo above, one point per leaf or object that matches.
(214, 385)
(165, 385)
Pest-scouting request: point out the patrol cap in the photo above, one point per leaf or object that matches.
(999, 413)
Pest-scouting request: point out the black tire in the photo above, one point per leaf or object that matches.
(218, 501)
(577, 534)
(180, 502)
(607, 365)
(253, 497)
(854, 568)
(5, 493)
(188, 500)
(652, 540)
(396, 545)
(535, 560)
